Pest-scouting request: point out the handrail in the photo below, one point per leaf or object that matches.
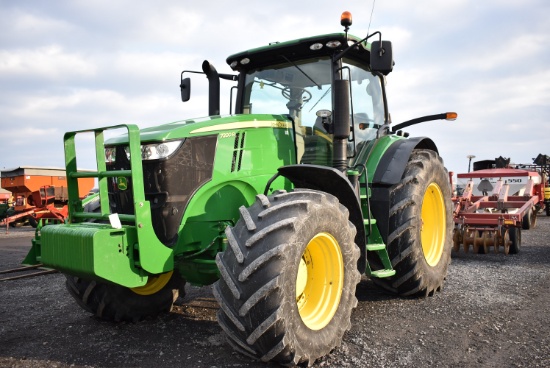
(101, 174)
(98, 216)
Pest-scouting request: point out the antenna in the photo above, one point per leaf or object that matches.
(372, 11)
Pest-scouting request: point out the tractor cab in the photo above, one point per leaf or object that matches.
(296, 79)
(301, 89)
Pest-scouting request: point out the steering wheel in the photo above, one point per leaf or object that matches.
(287, 91)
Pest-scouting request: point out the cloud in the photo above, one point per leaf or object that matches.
(94, 107)
(35, 25)
(29, 25)
(521, 51)
(171, 25)
(72, 65)
(506, 94)
(50, 62)
(147, 67)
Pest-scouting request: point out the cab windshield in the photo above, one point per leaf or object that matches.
(303, 88)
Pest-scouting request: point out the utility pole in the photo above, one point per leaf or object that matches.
(470, 157)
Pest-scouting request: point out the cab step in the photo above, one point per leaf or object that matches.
(376, 247)
(381, 251)
(382, 273)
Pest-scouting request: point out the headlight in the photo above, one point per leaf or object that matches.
(110, 154)
(159, 150)
(333, 44)
(152, 151)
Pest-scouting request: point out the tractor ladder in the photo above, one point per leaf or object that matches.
(374, 241)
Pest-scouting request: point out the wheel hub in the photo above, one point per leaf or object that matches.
(154, 284)
(319, 281)
(433, 224)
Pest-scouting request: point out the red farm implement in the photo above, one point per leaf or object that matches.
(38, 193)
(44, 208)
(495, 205)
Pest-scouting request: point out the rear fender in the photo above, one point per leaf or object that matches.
(332, 181)
(392, 165)
(389, 172)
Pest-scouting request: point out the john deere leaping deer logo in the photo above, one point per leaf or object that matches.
(122, 183)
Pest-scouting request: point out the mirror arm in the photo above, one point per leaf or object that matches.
(231, 77)
(341, 54)
(419, 120)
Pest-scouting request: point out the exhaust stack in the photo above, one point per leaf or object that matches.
(341, 124)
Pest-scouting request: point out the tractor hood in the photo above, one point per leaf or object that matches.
(205, 126)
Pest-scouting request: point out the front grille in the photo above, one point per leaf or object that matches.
(168, 184)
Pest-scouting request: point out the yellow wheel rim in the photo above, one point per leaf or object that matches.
(319, 281)
(432, 233)
(154, 284)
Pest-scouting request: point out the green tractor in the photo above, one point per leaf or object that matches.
(282, 205)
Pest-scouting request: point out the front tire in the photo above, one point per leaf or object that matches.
(420, 226)
(116, 303)
(288, 277)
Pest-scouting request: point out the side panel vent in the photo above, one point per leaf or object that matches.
(238, 149)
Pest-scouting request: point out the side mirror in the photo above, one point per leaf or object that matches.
(381, 57)
(185, 88)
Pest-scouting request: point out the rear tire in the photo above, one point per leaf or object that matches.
(116, 303)
(288, 277)
(420, 228)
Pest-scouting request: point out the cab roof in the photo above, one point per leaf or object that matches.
(298, 49)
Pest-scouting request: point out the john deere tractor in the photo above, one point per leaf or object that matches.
(282, 205)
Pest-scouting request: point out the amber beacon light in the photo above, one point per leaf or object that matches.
(345, 19)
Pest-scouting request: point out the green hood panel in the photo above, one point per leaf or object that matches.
(205, 126)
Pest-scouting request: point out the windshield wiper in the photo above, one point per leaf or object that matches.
(301, 71)
(320, 98)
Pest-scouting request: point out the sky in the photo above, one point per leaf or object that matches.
(80, 64)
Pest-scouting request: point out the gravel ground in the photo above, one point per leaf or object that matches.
(493, 312)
